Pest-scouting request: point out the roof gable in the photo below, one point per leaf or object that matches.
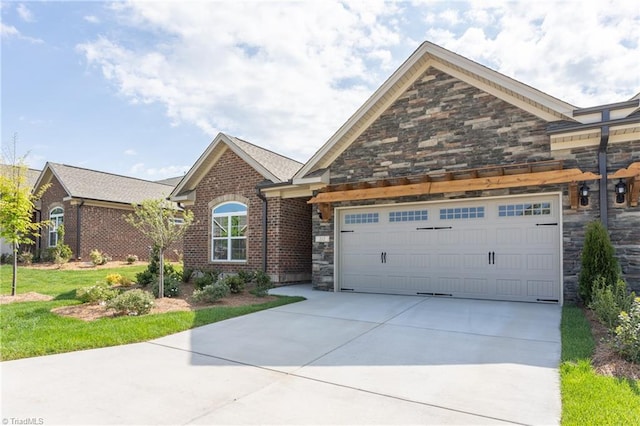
(272, 166)
(101, 186)
(426, 56)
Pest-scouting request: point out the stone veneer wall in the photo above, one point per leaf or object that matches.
(441, 123)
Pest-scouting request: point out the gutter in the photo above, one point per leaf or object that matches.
(78, 229)
(264, 226)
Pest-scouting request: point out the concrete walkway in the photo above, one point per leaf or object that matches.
(332, 359)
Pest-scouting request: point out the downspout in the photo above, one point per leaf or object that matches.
(78, 229)
(602, 168)
(264, 228)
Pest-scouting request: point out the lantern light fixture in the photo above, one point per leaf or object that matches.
(621, 190)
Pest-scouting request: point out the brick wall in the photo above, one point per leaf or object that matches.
(288, 234)
(102, 228)
(441, 123)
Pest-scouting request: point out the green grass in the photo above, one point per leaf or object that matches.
(55, 282)
(30, 329)
(587, 398)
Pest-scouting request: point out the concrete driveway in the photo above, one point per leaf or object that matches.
(332, 359)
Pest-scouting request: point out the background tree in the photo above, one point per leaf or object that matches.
(161, 222)
(17, 204)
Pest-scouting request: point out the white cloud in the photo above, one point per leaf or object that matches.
(92, 19)
(585, 53)
(283, 75)
(130, 152)
(9, 31)
(24, 13)
(157, 173)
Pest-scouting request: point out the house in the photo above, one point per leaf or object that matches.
(31, 178)
(238, 226)
(91, 204)
(455, 180)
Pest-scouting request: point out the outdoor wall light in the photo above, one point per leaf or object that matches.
(621, 190)
(319, 212)
(584, 194)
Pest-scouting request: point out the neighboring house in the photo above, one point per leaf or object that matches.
(32, 177)
(91, 204)
(238, 228)
(455, 180)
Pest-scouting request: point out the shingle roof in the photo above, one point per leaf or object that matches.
(282, 167)
(173, 181)
(95, 185)
(32, 174)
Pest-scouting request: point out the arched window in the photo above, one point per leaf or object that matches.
(56, 216)
(229, 232)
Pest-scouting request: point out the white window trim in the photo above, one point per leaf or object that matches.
(228, 238)
(57, 219)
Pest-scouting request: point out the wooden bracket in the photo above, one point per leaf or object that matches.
(326, 211)
(573, 195)
(634, 191)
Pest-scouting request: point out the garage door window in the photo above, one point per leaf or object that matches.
(524, 209)
(409, 216)
(462, 213)
(350, 219)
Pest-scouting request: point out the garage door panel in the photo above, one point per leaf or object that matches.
(506, 249)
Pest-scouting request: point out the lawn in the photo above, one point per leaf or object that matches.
(29, 329)
(589, 398)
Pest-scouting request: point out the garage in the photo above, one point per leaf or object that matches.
(506, 248)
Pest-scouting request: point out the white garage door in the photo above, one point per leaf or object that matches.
(505, 249)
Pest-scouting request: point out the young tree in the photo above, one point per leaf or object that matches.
(598, 260)
(17, 204)
(161, 222)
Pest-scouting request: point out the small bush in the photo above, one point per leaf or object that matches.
(263, 284)
(25, 258)
(117, 279)
(186, 274)
(131, 259)
(234, 282)
(171, 287)
(6, 258)
(597, 261)
(96, 293)
(97, 257)
(132, 302)
(211, 292)
(59, 254)
(207, 278)
(609, 300)
(145, 278)
(627, 338)
(246, 276)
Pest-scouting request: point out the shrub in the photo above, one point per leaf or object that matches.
(211, 292)
(59, 254)
(234, 282)
(6, 258)
(171, 287)
(145, 278)
(131, 259)
(597, 260)
(207, 278)
(96, 293)
(246, 276)
(186, 274)
(263, 284)
(627, 338)
(25, 257)
(97, 257)
(117, 279)
(132, 302)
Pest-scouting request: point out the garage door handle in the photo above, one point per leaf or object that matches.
(547, 224)
(489, 258)
(493, 257)
(385, 257)
(381, 257)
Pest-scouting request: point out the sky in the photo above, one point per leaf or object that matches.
(141, 88)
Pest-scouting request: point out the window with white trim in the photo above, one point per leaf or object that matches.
(408, 216)
(56, 216)
(361, 218)
(462, 213)
(524, 209)
(229, 232)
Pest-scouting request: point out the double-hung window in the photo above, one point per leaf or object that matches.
(56, 216)
(229, 232)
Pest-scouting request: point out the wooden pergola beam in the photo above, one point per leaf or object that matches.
(459, 185)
